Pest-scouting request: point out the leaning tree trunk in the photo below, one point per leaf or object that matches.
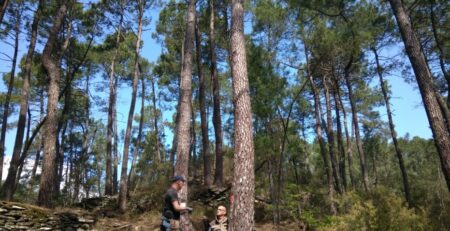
(362, 158)
(207, 179)
(184, 111)
(217, 118)
(330, 137)
(340, 141)
(393, 132)
(243, 188)
(9, 92)
(45, 197)
(425, 81)
(123, 175)
(109, 185)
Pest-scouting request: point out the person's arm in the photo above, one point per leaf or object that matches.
(176, 205)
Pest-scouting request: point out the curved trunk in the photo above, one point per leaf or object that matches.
(45, 197)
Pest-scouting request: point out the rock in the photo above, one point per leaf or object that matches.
(17, 207)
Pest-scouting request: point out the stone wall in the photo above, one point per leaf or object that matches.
(14, 216)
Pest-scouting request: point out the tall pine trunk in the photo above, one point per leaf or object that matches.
(207, 179)
(185, 111)
(217, 117)
(46, 193)
(330, 137)
(425, 81)
(126, 147)
(109, 182)
(340, 141)
(362, 158)
(392, 129)
(7, 190)
(243, 187)
(158, 156)
(323, 150)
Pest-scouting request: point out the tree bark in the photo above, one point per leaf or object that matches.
(243, 187)
(362, 158)
(123, 175)
(7, 190)
(330, 137)
(109, 182)
(45, 197)
(425, 81)
(207, 179)
(184, 111)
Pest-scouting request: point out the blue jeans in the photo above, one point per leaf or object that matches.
(165, 224)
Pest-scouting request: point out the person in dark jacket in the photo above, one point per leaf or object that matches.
(220, 223)
(172, 207)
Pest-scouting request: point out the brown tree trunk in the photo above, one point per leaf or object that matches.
(243, 188)
(362, 158)
(9, 92)
(7, 192)
(330, 137)
(393, 132)
(207, 177)
(184, 111)
(109, 182)
(323, 150)
(123, 175)
(48, 176)
(425, 81)
(217, 118)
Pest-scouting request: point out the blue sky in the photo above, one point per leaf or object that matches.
(408, 111)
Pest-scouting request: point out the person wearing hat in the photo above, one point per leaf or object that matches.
(172, 207)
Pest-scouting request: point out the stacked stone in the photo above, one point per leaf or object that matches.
(18, 217)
